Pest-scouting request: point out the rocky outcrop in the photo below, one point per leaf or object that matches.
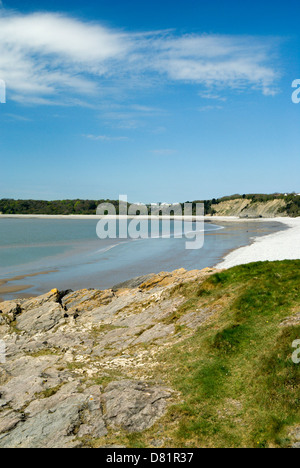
(134, 406)
(60, 347)
(40, 319)
(295, 437)
(58, 421)
(292, 321)
(133, 283)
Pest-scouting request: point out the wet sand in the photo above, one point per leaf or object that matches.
(7, 288)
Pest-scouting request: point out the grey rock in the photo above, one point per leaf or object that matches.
(134, 406)
(295, 437)
(30, 346)
(66, 339)
(4, 376)
(34, 303)
(157, 443)
(48, 429)
(26, 380)
(296, 433)
(85, 300)
(9, 420)
(21, 390)
(151, 315)
(4, 328)
(157, 332)
(292, 321)
(58, 421)
(94, 424)
(9, 311)
(3, 320)
(38, 406)
(27, 365)
(105, 314)
(194, 320)
(133, 283)
(118, 339)
(45, 398)
(40, 319)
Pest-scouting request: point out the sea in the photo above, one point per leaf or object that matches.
(67, 253)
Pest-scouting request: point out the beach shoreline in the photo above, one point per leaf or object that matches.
(7, 288)
(280, 245)
(149, 217)
(288, 221)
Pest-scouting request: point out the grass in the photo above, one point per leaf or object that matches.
(44, 352)
(48, 392)
(238, 384)
(107, 377)
(98, 330)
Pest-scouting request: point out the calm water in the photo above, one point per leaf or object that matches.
(81, 260)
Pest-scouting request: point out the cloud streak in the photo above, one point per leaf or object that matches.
(106, 138)
(44, 56)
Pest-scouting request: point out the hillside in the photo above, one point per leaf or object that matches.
(182, 359)
(246, 208)
(255, 205)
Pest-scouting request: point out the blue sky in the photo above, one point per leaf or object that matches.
(161, 100)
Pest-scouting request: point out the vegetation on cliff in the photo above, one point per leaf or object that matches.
(238, 384)
(254, 205)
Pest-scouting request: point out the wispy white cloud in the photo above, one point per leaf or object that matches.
(213, 96)
(123, 120)
(146, 109)
(16, 117)
(226, 61)
(129, 116)
(51, 58)
(106, 138)
(209, 108)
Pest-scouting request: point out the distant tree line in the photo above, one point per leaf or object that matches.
(89, 207)
(255, 198)
(57, 207)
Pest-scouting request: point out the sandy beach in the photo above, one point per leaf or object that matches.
(283, 245)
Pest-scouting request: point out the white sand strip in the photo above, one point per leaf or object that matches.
(117, 217)
(282, 245)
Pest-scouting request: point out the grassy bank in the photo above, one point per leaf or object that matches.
(237, 382)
